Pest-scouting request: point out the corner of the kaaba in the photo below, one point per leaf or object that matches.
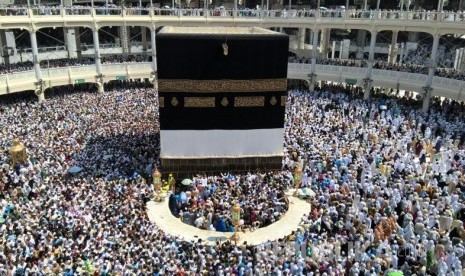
(222, 94)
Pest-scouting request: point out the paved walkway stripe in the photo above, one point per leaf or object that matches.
(160, 214)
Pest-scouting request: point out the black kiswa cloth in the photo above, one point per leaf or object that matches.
(201, 57)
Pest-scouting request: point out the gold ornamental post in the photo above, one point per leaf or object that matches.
(172, 183)
(297, 178)
(17, 153)
(236, 217)
(157, 184)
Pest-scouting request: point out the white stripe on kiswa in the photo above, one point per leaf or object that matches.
(221, 143)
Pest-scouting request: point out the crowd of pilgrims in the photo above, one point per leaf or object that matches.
(207, 203)
(388, 180)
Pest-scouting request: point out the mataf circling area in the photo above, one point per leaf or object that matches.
(160, 214)
(206, 206)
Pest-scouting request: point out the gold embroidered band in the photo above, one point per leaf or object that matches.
(283, 100)
(211, 86)
(199, 102)
(249, 101)
(161, 101)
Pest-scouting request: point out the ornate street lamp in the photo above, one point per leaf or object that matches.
(236, 217)
(172, 183)
(297, 178)
(157, 184)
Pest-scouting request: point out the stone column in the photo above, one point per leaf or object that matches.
(324, 43)
(4, 51)
(367, 82)
(98, 61)
(413, 37)
(333, 50)
(429, 81)
(7, 44)
(143, 32)
(153, 35)
(71, 35)
(124, 39)
(440, 6)
(70, 42)
(312, 75)
(77, 37)
(459, 61)
(341, 50)
(392, 58)
(301, 38)
(361, 37)
(40, 84)
(402, 53)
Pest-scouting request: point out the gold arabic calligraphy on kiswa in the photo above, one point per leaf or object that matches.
(249, 101)
(212, 86)
(199, 102)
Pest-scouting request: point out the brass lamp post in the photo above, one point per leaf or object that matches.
(236, 217)
(157, 184)
(297, 178)
(17, 153)
(172, 183)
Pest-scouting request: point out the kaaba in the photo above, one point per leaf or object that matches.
(222, 97)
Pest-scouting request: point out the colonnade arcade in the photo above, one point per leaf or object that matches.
(40, 85)
(319, 42)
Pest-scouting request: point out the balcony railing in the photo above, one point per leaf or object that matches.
(449, 88)
(445, 16)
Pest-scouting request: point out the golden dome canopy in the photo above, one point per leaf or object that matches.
(17, 152)
(16, 147)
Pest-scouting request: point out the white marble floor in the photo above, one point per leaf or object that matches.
(160, 214)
